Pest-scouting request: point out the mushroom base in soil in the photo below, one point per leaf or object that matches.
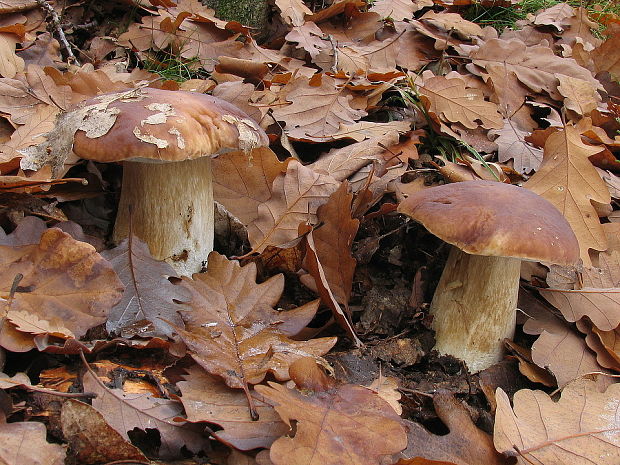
(170, 207)
(472, 318)
(492, 227)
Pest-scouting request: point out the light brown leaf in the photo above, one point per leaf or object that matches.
(606, 57)
(309, 37)
(91, 439)
(317, 108)
(580, 96)
(452, 22)
(512, 145)
(465, 444)
(242, 183)
(25, 442)
(296, 195)
(293, 11)
(568, 180)
(149, 296)
(206, 398)
(536, 66)
(451, 101)
(124, 412)
(397, 10)
(336, 424)
(582, 428)
(17, 101)
(12, 6)
(557, 16)
(10, 64)
(233, 331)
(64, 281)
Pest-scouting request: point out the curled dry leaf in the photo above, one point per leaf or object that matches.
(336, 424)
(207, 398)
(582, 428)
(24, 442)
(149, 295)
(65, 282)
(124, 412)
(233, 331)
(397, 10)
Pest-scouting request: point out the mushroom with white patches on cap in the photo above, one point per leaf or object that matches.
(492, 227)
(166, 140)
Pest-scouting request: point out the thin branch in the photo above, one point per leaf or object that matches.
(55, 21)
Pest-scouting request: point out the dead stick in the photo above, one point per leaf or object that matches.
(44, 5)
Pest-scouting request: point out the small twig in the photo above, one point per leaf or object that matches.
(45, 6)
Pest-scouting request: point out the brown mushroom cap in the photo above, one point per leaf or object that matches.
(495, 219)
(164, 125)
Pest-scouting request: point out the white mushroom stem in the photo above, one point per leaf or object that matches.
(474, 307)
(171, 210)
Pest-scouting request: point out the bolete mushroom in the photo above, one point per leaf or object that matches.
(492, 227)
(166, 140)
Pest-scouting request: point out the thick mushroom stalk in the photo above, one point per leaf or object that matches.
(170, 207)
(472, 316)
(492, 227)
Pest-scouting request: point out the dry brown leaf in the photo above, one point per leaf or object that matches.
(512, 145)
(293, 11)
(580, 96)
(464, 445)
(397, 10)
(207, 398)
(340, 163)
(336, 424)
(309, 37)
(148, 300)
(233, 331)
(296, 195)
(17, 101)
(452, 22)
(12, 6)
(124, 412)
(10, 63)
(64, 282)
(568, 180)
(333, 241)
(559, 348)
(317, 108)
(536, 66)
(24, 442)
(242, 183)
(557, 16)
(582, 428)
(91, 439)
(606, 344)
(451, 101)
(368, 129)
(606, 57)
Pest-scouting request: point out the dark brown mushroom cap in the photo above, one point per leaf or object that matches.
(163, 125)
(495, 219)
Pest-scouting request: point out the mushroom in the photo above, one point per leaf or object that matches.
(492, 227)
(166, 140)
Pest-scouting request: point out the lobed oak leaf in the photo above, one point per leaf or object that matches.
(40, 122)
(452, 22)
(148, 300)
(568, 180)
(451, 101)
(207, 398)
(295, 197)
(557, 16)
(512, 144)
(233, 331)
(293, 11)
(581, 428)
(536, 66)
(606, 57)
(465, 444)
(64, 280)
(10, 63)
(124, 412)
(317, 108)
(25, 442)
(243, 183)
(335, 424)
(398, 10)
(309, 37)
(580, 96)
(17, 101)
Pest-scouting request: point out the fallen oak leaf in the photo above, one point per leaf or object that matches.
(335, 424)
(63, 280)
(24, 442)
(232, 330)
(581, 428)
